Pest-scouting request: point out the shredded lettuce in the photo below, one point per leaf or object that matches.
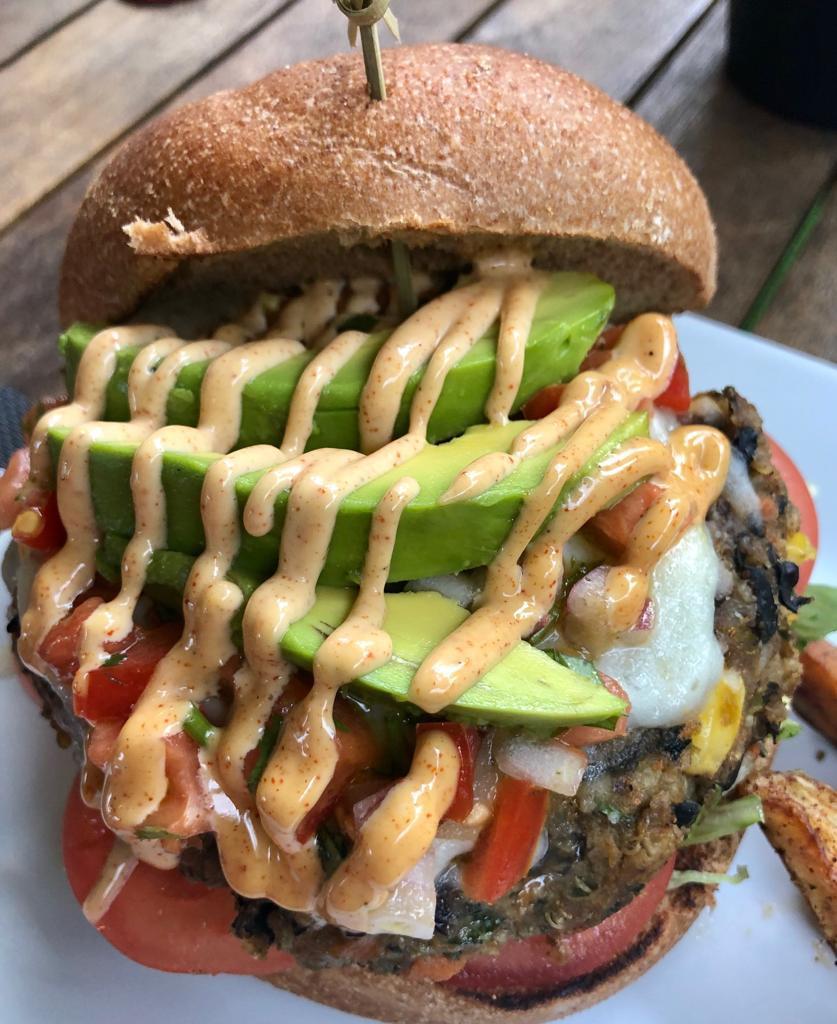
(722, 819)
(819, 618)
(679, 878)
(788, 730)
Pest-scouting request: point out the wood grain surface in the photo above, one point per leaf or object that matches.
(803, 312)
(74, 92)
(95, 77)
(24, 22)
(759, 171)
(614, 43)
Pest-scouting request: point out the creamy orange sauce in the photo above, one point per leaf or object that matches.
(118, 868)
(398, 833)
(305, 759)
(257, 834)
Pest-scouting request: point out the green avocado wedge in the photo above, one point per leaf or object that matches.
(569, 317)
(527, 688)
(433, 539)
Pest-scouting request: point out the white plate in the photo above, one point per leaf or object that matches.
(756, 957)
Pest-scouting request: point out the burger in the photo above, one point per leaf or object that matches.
(411, 620)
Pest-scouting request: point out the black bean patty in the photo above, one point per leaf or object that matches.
(636, 802)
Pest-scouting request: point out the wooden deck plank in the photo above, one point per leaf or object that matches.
(803, 312)
(86, 84)
(760, 172)
(315, 29)
(613, 43)
(24, 21)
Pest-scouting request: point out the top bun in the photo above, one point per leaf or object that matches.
(301, 174)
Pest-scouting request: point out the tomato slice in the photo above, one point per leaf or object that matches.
(586, 735)
(467, 740)
(505, 847)
(677, 395)
(159, 919)
(612, 527)
(543, 402)
(101, 743)
(113, 689)
(801, 497)
(542, 962)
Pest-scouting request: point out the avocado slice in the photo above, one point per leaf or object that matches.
(569, 317)
(527, 688)
(433, 539)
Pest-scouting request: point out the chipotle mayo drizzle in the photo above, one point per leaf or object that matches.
(257, 835)
(118, 868)
(70, 572)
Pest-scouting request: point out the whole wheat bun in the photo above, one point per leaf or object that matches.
(389, 997)
(300, 174)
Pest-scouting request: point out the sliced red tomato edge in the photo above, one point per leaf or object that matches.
(160, 919)
(543, 962)
(197, 939)
(800, 495)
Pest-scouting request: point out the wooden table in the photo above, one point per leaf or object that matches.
(76, 76)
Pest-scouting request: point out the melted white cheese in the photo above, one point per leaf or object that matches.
(410, 908)
(669, 678)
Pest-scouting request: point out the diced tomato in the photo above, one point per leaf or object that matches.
(101, 744)
(546, 962)
(39, 526)
(114, 689)
(615, 687)
(612, 527)
(467, 740)
(800, 495)
(60, 646)
(12, 482)
(160, 918)
(506, 846)
(676, 396)
(357, 751)
(585, 735)
(183, 811)
(610, 336)
(601, 352)
(543, 402)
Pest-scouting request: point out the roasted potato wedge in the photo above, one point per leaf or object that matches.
(800, 820)
(816, 698)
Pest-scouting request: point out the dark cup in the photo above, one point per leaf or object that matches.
(783, 55)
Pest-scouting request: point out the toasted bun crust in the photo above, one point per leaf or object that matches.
(274, 183)
(399, 1000)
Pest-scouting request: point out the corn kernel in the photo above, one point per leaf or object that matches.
(718, 725)
(800, 549)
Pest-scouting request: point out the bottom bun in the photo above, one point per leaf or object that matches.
(389, 997)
